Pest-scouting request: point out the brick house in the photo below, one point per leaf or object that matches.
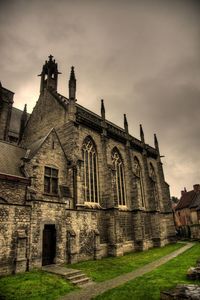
(187, 213)
(73, 185)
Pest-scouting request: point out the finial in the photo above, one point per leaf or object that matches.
(72, 74)
(103, 113)
(50, 57)
(125, 123)
(156, 142)
(72, 84)
(142, 134)
(23, 122)
(24, 113)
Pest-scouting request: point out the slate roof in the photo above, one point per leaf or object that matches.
(187, 200)
(196, 202)
(15, 121)
(10, 159)
(34, 147)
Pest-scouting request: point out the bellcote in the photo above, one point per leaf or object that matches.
(49, 75)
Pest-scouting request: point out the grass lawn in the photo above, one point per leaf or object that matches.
(110, 267)
(165, 277)
(34, 285)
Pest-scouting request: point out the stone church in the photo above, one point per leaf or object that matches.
(73, 185)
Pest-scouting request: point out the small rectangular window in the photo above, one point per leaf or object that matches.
(51, 181)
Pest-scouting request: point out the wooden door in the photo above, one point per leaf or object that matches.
(49, 244)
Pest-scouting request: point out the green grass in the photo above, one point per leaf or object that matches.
(107, 268)
(163, 278)
(34, 285)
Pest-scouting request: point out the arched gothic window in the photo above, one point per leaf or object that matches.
(91, 186)
(139, 180)
(152, 175)
(119, 177)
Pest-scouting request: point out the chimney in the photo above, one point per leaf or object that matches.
(196, 187)
(183, 192)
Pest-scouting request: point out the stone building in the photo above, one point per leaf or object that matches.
(187, 213)
(73, 185)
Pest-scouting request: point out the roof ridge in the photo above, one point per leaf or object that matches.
(59, 97)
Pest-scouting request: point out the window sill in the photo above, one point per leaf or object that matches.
(51, 195)
(92, 205)
(123, 207)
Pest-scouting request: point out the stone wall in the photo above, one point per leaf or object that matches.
(13, 191)
(14, 238)
(50, 154)
(76, 233)
(84, 224)
(147, 224)
(47, 213)
(47, 113)
(195, 231)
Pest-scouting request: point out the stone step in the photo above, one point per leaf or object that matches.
(73, 273)
(75, 276)
(81, 282)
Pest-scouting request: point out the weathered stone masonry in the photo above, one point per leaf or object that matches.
(68, 205)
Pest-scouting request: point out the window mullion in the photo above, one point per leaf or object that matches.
(123, 176)
(94, 194)
(120, 181)
(89, 176)
(84, 162)
(97, 177)
(117, 183)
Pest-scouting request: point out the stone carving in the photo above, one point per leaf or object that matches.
(86, 242)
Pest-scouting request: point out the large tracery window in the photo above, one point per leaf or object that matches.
(91, 187)
(119, 177)
(152, 175)
(139, 181)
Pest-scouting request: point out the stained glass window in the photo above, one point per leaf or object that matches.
(119, 177)
(91, 186)
(139, 180)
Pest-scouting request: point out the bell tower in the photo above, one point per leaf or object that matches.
(49, 75)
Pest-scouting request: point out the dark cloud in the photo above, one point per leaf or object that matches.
(142, 57)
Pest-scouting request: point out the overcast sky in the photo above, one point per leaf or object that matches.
(141, 57)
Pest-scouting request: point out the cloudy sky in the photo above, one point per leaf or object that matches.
(141, 57)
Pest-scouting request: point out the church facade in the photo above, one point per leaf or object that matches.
(73, 185)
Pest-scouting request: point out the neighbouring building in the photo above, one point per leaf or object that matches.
(187, 213)
(73, 185)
